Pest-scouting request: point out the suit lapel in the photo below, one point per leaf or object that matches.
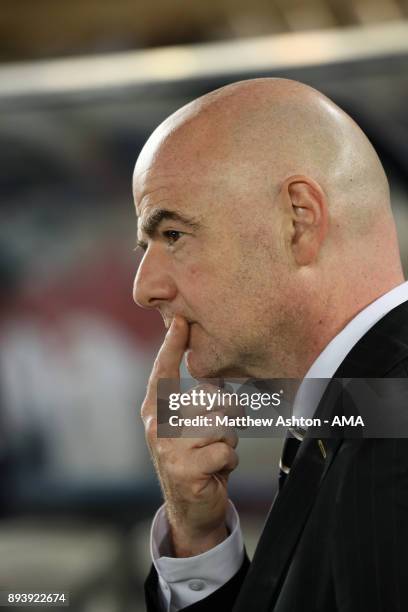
(286, 519)
(373, 356)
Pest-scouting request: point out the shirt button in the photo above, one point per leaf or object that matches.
(196, 585)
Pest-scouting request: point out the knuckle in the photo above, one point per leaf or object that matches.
(145, 411)
(232, 439)
(151, 429)
(224, 452)
(234, 460)
(161, 450)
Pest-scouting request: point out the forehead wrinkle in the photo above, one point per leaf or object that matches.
(146, 195)
(139, 175)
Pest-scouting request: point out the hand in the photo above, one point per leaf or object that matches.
(193, 472)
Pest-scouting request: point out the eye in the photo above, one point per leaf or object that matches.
(172, 236)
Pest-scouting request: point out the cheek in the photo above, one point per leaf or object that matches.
(205, 296)
(203, 277)
(194, 271)
(195, 288)
(209, 289)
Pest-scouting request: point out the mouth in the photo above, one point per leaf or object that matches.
(168, 320)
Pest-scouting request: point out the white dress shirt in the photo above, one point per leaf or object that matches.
(184, 581)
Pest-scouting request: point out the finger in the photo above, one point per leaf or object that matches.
(217, 434)
(218, 383)
(218, 457)
(168, 360)
(200, 406)
(167, 364)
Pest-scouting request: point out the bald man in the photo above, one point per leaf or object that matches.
(270, 250)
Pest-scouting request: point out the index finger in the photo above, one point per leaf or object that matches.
(167, 363)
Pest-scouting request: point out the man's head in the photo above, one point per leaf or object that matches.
(265, 218)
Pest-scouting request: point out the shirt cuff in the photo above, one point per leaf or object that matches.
(184, 581)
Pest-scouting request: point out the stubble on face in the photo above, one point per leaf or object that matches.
(229, 278)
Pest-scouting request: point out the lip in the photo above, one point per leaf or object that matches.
(167, 320)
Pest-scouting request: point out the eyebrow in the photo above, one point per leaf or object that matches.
(151, 223)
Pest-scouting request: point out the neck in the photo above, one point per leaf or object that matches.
(296, 354)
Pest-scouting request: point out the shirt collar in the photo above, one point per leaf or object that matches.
(310, 393)
(336, 351)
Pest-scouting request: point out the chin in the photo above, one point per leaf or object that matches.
(203, 368)
(195, 367)
(199, 365)
(199, 358)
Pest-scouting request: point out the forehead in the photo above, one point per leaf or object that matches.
(184, 151)
(193, 174)
(183, 179)
(155, 190)
(160, 172)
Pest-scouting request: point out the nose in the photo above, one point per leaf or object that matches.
(153, 283)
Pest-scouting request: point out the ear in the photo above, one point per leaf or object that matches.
(308, 217)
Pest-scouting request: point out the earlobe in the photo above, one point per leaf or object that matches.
(309, 218)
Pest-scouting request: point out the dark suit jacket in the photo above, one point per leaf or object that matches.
(336, 537)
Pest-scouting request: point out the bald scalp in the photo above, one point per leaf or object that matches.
(278, 128)
(295, 213)
(259, 132)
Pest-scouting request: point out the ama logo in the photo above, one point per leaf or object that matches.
(352, 421)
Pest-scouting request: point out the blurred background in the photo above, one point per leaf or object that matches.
(82, 84)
